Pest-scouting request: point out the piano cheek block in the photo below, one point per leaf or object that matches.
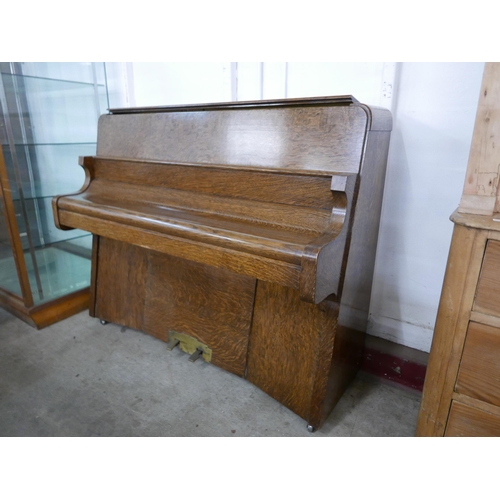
(248, 228)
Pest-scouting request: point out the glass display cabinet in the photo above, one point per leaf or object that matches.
(48, 118)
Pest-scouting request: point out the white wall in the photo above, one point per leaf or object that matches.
(433, 105)
(177, 83)
(434, 117)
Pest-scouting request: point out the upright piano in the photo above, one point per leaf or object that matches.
(242, 233)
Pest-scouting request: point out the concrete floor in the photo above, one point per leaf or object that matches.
(79, 378)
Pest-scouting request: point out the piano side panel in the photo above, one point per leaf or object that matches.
(93, 275)
(291, 349)
(357, 286)
(316, 138)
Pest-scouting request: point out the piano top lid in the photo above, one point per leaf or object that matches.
(313, 136)
(291, 102)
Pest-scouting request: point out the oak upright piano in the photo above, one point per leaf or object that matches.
(243, 233)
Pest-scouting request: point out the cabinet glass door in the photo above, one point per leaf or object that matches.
(8, 273)
(49, 114)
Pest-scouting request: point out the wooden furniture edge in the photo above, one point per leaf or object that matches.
(15, 305)
(485, 319)
(61, 308)
(476, 221)
(87, 163)
(481, 188)
(476, 403)
(378, 118)
(47, 313)
(285, 273)
(462, 271)
(14, 235)
(314, 283)
(321, 273)
(93, 275)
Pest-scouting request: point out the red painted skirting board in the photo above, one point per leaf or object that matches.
(397, 369)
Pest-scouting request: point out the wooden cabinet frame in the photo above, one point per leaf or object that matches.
(444, 409)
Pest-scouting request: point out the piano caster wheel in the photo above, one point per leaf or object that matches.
(311, 429)
(103, 322)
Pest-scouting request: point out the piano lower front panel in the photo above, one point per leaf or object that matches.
(293, 350)
(157, 293)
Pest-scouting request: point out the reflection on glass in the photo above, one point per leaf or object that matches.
(47, 170)
(8, 273)
(60, 112)
(48, 118)
(78, 72)
(62, 268)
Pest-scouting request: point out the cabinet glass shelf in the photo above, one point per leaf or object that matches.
(79, 72)
(59, 111)
(62, 268)
(45, 232)
(60, 173)
(48, 118)
(55, 82)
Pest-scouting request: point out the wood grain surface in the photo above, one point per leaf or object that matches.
(267, 238)
(156, 293)
(256, 185)
(488, 288)
(47, 313)
(285, 206)
(212, 305)
(258, 267)
(93, 275)
(291, 349)
(342, 368)
(479, 373)
(317, 138)
(481, 193)
(355, 285)
(56, 310)
(121, 283)
(466, 421)
(233, 223)
(457, 297)
(463, 362)
(181, 213)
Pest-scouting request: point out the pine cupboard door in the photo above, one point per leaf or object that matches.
(468, 421)
(479, 372)
(488, 289)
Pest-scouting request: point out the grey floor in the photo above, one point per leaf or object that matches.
(79, 378)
